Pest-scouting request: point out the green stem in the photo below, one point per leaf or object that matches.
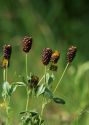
(6, 73)
(27, 103)
(4, 76)
(5, 97)
(27, 89)
(45, 76)
(41, 80)
(26, 64)
(61, 78)
(44, 102)
(43, 106)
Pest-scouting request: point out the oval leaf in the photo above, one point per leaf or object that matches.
(58, 100)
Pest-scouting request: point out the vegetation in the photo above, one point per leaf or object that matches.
(55, 24)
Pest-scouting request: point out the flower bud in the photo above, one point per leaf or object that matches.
(55, 57)
(53, 67)
(27, 44)
(71, 53)
(33, 81)
(7, 49)
(46, 56)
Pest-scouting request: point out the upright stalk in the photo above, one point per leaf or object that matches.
(61, 78)
(27, 89)
(4, 76)
(27, 103)
(26, 64)
(45, 76)
(41, 80)
(5, 97)
(44, 101)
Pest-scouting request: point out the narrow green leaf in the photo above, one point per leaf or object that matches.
(19, 83)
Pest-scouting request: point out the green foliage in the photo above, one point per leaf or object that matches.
(58, 100)
(40, 90)
(14, 86)
(31, 118)
(8, 89)
(54, 23)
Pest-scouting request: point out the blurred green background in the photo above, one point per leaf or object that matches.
(57, 24)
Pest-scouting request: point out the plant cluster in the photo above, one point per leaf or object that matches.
(34, 85)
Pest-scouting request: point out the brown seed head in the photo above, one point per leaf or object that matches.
(7, 49)
(55, 57)
(71, 53)
(33, 81)
(27, 44)
(46, 56)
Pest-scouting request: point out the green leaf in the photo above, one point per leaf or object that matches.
(42, 121)
(31, 118)
(23, 112)
(14, 86)
(48, 93)
(58, 100)
(19, 83)
(24, 79)
(40, 90)
(49, 78)
(12, 89)
(6, 88)
(33, 113)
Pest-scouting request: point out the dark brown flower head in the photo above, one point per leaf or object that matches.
(46, 56)
(7, 49)
(33, 81)
(53, 67)
(55, 57)
(71, 53)
(27, 44)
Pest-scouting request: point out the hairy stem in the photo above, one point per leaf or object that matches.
(61, 78)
